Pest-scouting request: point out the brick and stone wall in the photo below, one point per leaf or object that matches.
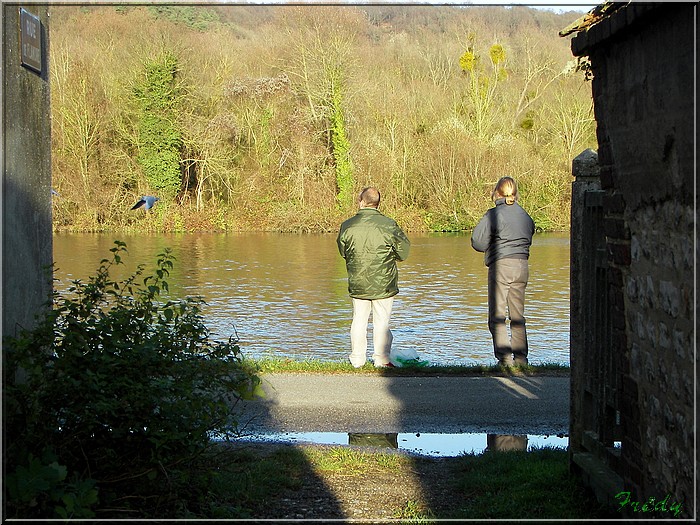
(643, 65)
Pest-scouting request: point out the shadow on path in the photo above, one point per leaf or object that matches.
(511, 412)
(383, 411)
(319, 499)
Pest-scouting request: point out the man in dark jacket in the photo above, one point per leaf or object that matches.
(371, 243)
(504, 234)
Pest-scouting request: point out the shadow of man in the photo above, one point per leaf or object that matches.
(307, 497)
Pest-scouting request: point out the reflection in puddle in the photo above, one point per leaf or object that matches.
(437, 445)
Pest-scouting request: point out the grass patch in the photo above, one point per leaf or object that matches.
(535, 484)
(350, 461)
(312, 366)
(493, 485)
(244, 480)
(415, 512)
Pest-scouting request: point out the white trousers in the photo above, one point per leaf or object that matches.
(381, 335)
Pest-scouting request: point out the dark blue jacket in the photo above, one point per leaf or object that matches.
(505, 230)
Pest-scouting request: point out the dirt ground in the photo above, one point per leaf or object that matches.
(421, 488)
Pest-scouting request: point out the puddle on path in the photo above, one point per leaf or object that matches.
(424, 444)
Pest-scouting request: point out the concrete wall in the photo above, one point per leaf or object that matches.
(27, 247)
(643, 63)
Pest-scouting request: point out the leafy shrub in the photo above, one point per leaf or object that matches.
(160, 139)
(119, 395)
(42, 483)
(340, 143)
(196, 17)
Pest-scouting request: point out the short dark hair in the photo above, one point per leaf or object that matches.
(370, 196)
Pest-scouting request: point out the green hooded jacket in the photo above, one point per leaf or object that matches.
(371, 243)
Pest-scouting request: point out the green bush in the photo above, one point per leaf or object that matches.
(196, 17)
(340, 143)
(160, 139)
(119, 394)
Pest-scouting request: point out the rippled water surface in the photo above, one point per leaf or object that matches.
(286, 295)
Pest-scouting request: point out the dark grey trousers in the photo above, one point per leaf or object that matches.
(507, 283)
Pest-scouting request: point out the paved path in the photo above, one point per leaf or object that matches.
(381, 404)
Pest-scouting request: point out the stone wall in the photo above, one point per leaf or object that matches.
(26, 184)
(643, 59)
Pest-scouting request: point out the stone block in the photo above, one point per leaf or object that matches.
(585, 164)
(603, 480)
(607, 177)
(616, 229)
(604, 153)
(620, 253)
(669, 297)
(616, 23)
(579, 43)
(615, 278)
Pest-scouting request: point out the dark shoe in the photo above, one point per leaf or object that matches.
(388, 365)
(519, 359)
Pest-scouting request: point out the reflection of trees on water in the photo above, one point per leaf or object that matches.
(390, 440)
(505, 443)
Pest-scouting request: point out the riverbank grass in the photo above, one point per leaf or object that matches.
(272, 365)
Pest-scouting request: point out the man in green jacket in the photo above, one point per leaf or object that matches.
(371, 243)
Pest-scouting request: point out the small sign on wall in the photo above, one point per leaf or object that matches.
(30, 40)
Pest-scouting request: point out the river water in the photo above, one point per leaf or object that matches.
(285, 295)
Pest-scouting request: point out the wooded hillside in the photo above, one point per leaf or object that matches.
(274, 117)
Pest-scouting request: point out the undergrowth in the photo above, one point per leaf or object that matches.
(109, 403)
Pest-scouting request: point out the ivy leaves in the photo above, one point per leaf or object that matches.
(160, 139)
